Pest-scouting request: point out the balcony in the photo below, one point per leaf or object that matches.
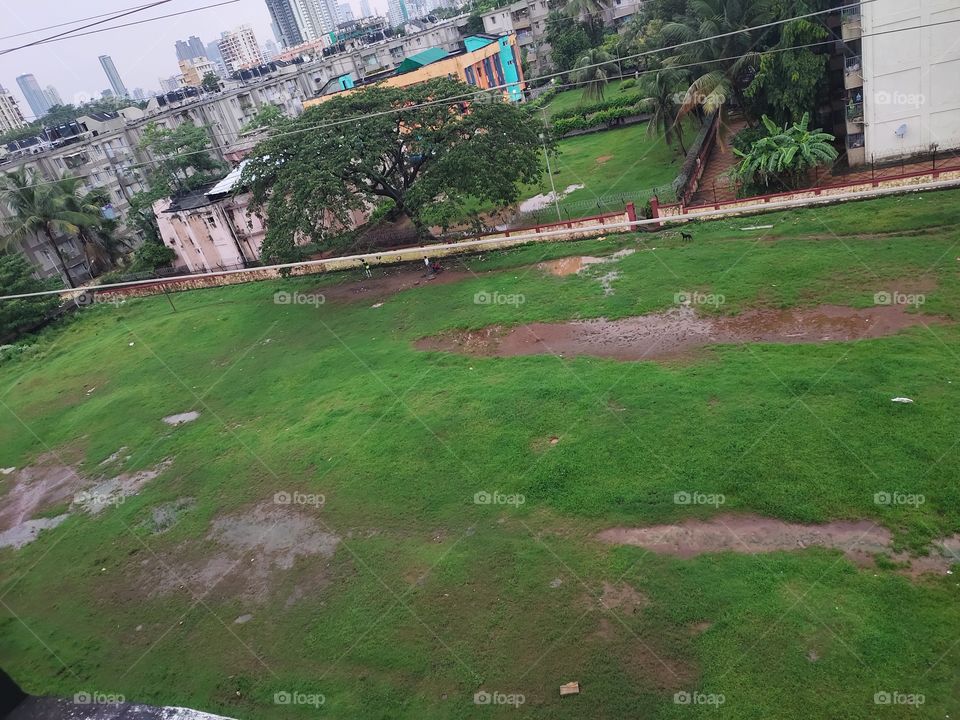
(850, 27)
(852, 73)
(856, 149)
(854, 115)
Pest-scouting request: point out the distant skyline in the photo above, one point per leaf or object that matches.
(144, 53)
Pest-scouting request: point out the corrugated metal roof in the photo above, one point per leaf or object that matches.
(229, 182)
(425, 57)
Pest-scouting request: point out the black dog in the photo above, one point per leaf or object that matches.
(687, 237)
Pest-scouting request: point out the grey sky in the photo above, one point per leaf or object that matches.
(142, 53)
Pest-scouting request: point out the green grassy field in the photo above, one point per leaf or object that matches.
(573, 98)
(614, 167)
(430, 597)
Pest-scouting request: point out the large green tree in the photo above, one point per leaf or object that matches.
(42, 209)
(431, 156)
(182, 159)
(568, 41)
(723, 62)
(790, 83)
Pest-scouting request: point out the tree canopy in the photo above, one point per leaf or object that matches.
(429, 155)
(19, 316)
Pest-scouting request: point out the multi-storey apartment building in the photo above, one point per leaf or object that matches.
(900, 63)
(240, 49)
(11, 116)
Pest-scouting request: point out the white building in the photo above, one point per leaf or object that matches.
(11, 116)
(908, 80)
(240, 49)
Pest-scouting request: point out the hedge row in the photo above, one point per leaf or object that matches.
(604, 117)
(617, 102)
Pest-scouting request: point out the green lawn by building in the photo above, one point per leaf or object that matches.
(401, 596)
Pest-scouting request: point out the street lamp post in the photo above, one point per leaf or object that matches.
(546, 155)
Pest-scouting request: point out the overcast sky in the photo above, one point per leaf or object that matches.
(142, 53)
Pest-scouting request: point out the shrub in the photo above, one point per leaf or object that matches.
(627, 84)
(745, 139)
(21, 316)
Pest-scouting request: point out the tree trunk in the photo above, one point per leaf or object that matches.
(423, 231)
(63, 264)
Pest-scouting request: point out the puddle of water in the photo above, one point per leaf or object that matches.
(751, 534)
(27, 531)
(678, 331)
(181, 418)
(539, 202)
(572, 265)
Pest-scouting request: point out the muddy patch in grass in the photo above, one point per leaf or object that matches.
(50, 485)
(859, 540)
(27, 531)
(678, 332)
(163, 517)
(623, 598)
(246, 556)
(561, 267)
(388, 284)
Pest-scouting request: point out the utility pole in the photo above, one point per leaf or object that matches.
(546, 155)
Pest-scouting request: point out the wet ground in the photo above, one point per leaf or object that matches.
(383, 286)
(859, 540)
(678, 332)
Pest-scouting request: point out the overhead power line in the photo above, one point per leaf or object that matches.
(136, 22)
(63, 35)
(70, 22)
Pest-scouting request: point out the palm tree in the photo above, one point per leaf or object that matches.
(41, 209)
(587, 11)
(665, 118)
(718, 79)
(593, 69)
(101, 243)
(786, 154)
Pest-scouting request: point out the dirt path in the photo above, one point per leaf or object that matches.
(859, 540)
